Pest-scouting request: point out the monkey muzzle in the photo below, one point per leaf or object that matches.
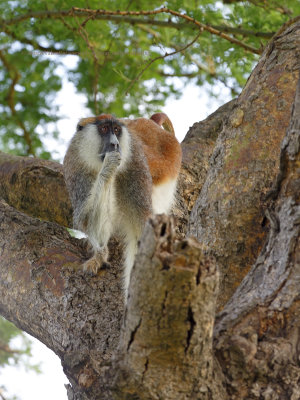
(109, 149)
(102, 155)
(110, 144)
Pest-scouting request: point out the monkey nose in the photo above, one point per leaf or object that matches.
(114, 147)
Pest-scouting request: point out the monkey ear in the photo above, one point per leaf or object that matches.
(85, 121)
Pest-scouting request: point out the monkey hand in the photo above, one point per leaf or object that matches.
(113, 158)
(110, 164)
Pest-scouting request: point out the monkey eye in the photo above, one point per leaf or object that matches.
(117, 130)
(104, 128)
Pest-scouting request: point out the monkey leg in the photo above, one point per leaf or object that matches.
(97, 262)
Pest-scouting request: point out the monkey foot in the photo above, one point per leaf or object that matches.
(96, 263)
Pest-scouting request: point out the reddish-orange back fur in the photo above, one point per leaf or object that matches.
(161, 148)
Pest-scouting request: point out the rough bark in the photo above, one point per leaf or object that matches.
(167, 337)
(35, 187)
(241, 187)
(197, 147)
(45, 292)
(258, 332)
(245, 163)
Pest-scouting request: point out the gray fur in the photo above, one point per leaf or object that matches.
(79, 181)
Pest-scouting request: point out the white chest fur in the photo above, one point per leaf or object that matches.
(102, 209)
(163, 197)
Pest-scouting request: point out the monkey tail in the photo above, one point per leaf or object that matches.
(163, 120)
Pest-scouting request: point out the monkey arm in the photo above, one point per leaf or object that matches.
(97, 211)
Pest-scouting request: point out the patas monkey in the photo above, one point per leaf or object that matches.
(118, 172)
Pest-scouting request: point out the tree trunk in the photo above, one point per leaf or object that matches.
(239, 195)
(258, 332)
(228, 217)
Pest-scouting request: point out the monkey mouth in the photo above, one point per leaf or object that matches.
(102, 155)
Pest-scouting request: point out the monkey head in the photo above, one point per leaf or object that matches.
(101, 135)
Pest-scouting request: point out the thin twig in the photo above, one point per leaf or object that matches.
(200, 66)
(181, 75)
(275, 6)
(287, 24)
(15, 77)
(4, 347)
(243, 32)
(83, 33)
(181, 50)
(1, 395)
(213, 31)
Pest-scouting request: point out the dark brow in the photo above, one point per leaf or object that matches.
(112, 122)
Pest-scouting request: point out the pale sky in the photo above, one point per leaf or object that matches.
(193, 106)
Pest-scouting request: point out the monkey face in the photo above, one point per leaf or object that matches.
(97, 136)
(110, 131)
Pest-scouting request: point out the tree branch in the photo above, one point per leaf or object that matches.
(1, 395)
(45, 292)
(138, 21)
(6, 349)
(35, 187)
(84, 12)
(243, 32)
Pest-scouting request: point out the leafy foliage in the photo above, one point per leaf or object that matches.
(127, 63)
(12, 353)
(21, 352)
